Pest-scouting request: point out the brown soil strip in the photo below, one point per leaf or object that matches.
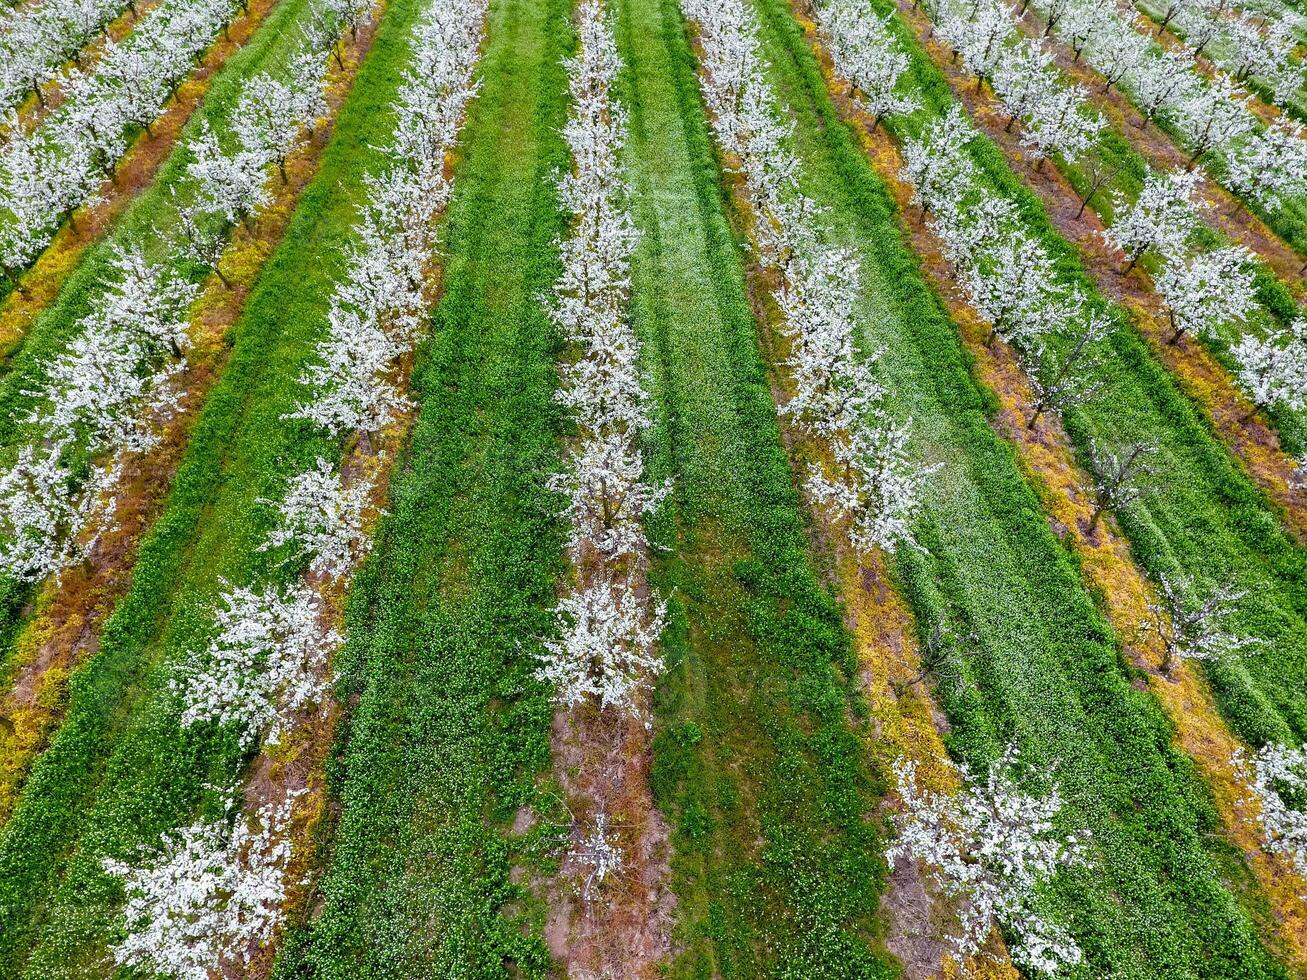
(64, 629)
(43, 281)
(1229, 213)
(33, 110)
(1109, 567)
(623, 927)
(1207, 383)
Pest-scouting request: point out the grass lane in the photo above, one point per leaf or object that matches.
(776, 864)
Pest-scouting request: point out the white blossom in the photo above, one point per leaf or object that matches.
(1192, 630)
(606, 648)
(1208, 291)
(207, 896)
(1270, 166)
(1273, 369)
(599, 854)
(1277, 779)
(996, 848)
(323, 518)
(867, 54)
(267, 661)
(608, 632)
(1160, 219)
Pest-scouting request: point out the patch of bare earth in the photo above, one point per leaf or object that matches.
(1109, 567)
(620, 927)
(1230, 214)
(40, 284)
(1247, 434)
(70, 610)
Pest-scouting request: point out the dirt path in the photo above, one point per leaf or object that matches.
(602, 762)
(41, 284)
(1228, 212)
(1045, 453)
(1206, 382)
(69, 612)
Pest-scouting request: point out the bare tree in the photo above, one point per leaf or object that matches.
(1192, 631)
(1121, 477)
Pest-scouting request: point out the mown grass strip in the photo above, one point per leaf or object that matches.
(450, 734)
(1045, 667)
(120, 771)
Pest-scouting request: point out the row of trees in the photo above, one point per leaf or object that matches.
(986, 36)
(1245, 43)
(36, 40)
(870, 483)
(105, 397)
(992, 846)
(608, 627)
(210, 895)
(1006, 271)
(1205, 291)
(1269, 164)
(46, 175)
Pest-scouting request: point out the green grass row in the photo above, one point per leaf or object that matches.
(120, 772)
(1044, 667)
(777, 867)
(1208, 521)
(449, 739)
(276, 41)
